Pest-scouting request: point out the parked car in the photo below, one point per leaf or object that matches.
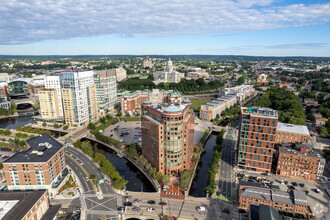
(200, 208)
(136, 208)
(150, 209)
(317, 190)
(121, 208)
(226, 210)
(151, 202)
(128, 204)
(294, 183)
(87, 179)
(301, 184)
(162, 203)
(137, 200)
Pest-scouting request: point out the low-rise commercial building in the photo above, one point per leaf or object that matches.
(196, 75)
(297, 160)
(263, 212)
(28, 205)
(4, 103)
(36, 86)
(262, 79)
(292, 201)
(210, 110)
(3, 90)
(227, 98)
(19, 87)
(131, 101)
(242, 92)
(168, 136)
(147, 63)
(40, 167)
(290, 133)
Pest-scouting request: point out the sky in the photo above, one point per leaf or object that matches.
(159, 27)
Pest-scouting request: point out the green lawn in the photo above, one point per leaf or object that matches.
(3, 144)
(228, 199)
(198, 102)
(104, 126)
(130, 118)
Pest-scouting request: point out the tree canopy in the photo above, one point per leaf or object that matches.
(287, 103)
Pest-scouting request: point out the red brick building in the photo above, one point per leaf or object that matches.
(256, 138)
(37, 168)
(297, 161)
(290, 133)
(132, 101)
(293, 201)
(168, 135)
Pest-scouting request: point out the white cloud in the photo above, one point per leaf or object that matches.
(26, 21)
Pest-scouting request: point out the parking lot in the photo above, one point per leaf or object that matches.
(127, 132)
(316, 195)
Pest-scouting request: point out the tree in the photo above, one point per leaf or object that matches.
(119, 114)
(12, 108)
(99, 158)
(6, 132)
(323, 131)
(44, 124)
(151, 77)
(166, 179)
(91, 126)
(92, 176)
(36, 105)
(87, 148)
(137, 113)
(103, 120)
(108, 117)
(56, 125)
(185, 178)
(65, 127)
(127, 114)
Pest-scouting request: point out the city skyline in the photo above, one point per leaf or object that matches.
(257, 28)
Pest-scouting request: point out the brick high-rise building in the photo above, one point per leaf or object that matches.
(168, 135)
(256, 138)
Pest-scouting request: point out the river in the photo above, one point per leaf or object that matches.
(137, 182)
(202, 175)
(12, 123)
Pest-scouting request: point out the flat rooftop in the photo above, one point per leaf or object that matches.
(294, 148)
(261, 111)
(298, 129)
(17, 204)
(43, 148)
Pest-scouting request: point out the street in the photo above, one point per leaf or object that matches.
(226, 164)
(90, 200)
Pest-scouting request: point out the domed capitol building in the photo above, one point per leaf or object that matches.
(169, 75)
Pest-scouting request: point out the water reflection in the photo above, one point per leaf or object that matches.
(202, 175)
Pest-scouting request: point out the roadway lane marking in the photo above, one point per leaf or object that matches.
(83, 169)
